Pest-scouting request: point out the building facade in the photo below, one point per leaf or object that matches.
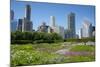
(71, 26)
(86, 29)
(11, 15)
(80, 33)
(27, 25)
(13, 25)
(20, 25)
(60, 31)
(52, 21)
(28, 12)
(43, 27)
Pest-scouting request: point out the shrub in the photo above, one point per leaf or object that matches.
(34, 37)
(20, 41)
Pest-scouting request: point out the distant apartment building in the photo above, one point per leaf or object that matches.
(86, 29)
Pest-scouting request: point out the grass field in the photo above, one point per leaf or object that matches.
(36, 54)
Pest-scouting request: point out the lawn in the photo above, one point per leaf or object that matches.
(36, 54)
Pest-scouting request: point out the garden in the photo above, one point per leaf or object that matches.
(50, 53)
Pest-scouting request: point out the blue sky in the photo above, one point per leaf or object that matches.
(42, 12)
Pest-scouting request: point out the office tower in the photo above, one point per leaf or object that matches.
(28, 12)
(80, 33)
(27, 24)
(13, 22)
(86, 29)
(13, 26)
(43, 27)
(52, 21)
(11, 15)
(60, 31)
(20, 24)
(71, 24)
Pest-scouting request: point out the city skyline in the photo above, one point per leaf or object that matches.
(41, 12)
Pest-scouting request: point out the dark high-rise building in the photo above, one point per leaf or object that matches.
(28, 12)
(93, 31)
(11, 15)
(71, 25)
(20, 24)
(27, 24)
(93, 28)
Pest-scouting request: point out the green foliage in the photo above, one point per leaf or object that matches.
(83, 48)
(34, 37)
(30, 55)
(81, 40)
(44, 53)
(74, 59)
(21, 41)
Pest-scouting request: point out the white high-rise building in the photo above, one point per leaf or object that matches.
(80, 33)
(59, 30)
(86, 29)
(55, 28)
(52, 21)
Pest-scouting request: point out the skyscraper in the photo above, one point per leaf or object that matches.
(52, 21)
(86, 29)
(71, 24)
(13, 25)
(80, 33)
(11, 15)
(60, 31)
(20, 24)
(13, 22)
(28, 12)
(27, 24)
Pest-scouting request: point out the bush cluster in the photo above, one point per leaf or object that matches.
(34, 37)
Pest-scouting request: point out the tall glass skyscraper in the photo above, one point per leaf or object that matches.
(71, 24)
(20, 24)
(27, 24)
(28, 12)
